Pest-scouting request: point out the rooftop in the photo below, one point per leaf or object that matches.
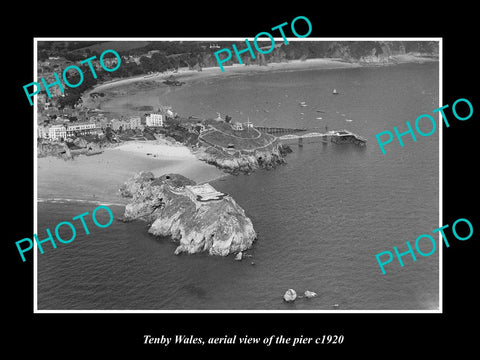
(205, 192)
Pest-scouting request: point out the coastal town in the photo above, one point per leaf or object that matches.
(64, 117)
(64, 114)
(75, 119)
(67, 125)
(70, 123)
(65, 130)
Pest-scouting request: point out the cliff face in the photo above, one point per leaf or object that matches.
(245, 162)
(170, 205)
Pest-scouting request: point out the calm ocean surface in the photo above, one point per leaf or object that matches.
(321, 218)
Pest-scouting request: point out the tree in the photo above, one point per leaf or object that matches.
(172, 123)
(147, 64)
(73, 95)
(161, 62)
(42, 55)
(74, 56)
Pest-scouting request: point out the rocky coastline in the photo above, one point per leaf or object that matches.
(237, 162)
(169, 205)
(55, 149)
(67, 150)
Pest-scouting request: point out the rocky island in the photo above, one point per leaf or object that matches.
(199, 217)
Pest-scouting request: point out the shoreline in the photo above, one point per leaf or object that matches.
(237, 69)
(98, 177)
(116, 89)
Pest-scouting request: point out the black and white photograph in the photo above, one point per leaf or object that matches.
(260, 187)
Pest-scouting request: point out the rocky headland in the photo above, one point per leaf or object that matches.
(198, 217)
(235, 162)
(239, 150)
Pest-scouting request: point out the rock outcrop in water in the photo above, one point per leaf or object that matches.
(290, 295)
(197, 216)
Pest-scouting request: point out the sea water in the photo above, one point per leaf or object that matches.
(321, 218)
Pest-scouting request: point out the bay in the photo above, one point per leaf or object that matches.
(321, 218)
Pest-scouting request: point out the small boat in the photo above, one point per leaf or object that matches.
(318, 118)
(334, 92)
(349, 120)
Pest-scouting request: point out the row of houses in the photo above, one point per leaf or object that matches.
(132, 123)
(56, 132)
(62, 131)
(136, 122)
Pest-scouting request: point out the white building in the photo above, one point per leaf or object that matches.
(81, 128)
(135, 122)
(57, 131)
(237, 126)
(248, 125)
(154, 120)
(204, 193)
(42, 132)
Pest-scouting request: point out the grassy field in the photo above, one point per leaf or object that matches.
(241, 140)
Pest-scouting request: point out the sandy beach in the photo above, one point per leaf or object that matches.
(161, 149)
(235, 69)
(124, 97)
(98, 177)
(118, 92)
